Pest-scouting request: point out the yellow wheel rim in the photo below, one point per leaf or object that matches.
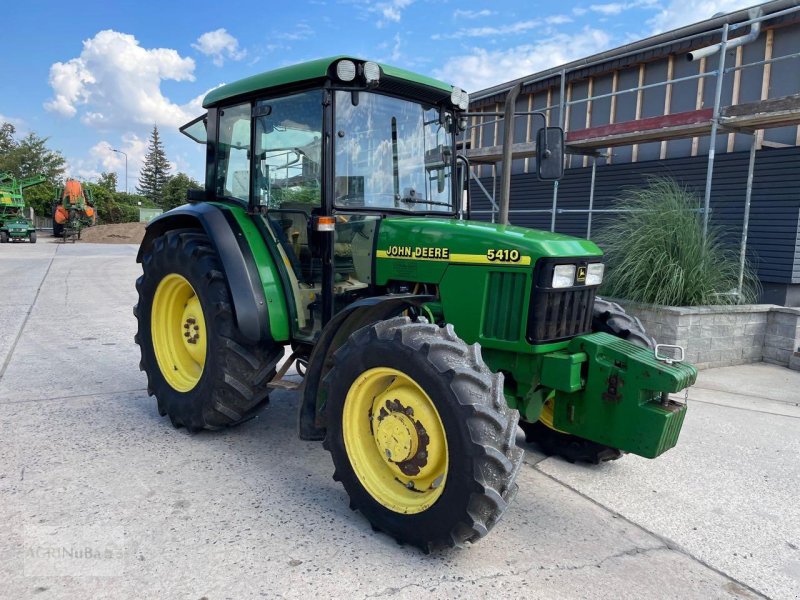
(178, 330)
(546, 415)
(395, 440)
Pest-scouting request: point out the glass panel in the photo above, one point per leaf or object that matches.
(196, 129)
(289, 151)
(233, 153)
(287, 180)
(391, 153)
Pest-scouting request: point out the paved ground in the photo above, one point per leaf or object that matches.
(100, 497)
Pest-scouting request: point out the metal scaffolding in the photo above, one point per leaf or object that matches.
(748, 118)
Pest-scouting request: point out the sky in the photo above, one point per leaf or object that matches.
(96, 76)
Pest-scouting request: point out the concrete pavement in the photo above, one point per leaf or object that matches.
(86, 462)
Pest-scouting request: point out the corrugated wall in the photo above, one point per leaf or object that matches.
(773, 244)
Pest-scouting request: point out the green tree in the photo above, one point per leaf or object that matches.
(155, 171)
(108, 181)
(176, 188)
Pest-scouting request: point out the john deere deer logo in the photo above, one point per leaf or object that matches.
(581, 274)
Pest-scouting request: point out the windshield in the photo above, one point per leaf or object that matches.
(391, 154)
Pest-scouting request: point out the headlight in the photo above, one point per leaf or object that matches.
(372, 72)
(346, 70)
(459, 98)
(594, 274)
(564, 276)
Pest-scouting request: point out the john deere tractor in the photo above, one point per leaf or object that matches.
(334, 227)
(14, 225)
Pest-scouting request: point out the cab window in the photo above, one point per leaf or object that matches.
(233, 153)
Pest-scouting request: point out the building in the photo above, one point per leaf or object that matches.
(647, 109)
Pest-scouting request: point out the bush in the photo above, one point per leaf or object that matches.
(656, 252)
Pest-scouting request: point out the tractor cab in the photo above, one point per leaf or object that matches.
(334, 146)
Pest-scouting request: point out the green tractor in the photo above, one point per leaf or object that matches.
(334, 226)
(14, 225)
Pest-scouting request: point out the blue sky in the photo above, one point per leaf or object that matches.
(93, 76)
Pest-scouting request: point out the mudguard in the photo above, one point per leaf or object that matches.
(311, 417)
(249, 303)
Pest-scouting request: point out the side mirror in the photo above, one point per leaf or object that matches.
(550, 153)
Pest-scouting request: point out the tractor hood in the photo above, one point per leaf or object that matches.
(447, 241)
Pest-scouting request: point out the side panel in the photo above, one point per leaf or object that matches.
(279, 325)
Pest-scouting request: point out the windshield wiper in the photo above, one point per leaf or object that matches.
(417, 200)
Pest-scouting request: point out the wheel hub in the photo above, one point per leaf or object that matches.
(192, 328)
(396, 437)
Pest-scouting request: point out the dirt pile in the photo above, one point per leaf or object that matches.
(119, 233)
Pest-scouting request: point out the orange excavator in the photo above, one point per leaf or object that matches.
(73, 210)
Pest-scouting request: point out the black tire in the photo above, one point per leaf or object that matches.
(479, 427)
(232, 387)
(607, 317)
(3, 237)
(610, 317)
(32, 237)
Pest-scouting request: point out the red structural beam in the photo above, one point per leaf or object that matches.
(682, 119)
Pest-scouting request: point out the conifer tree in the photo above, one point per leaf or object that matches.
(155, 171)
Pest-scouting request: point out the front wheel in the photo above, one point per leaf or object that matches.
(204, 373)
(420, 434)
(3, 237)
(32, 237)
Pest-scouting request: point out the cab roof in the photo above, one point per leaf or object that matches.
(307, 71)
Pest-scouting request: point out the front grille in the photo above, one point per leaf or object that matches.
(560, 314)
(505, 303)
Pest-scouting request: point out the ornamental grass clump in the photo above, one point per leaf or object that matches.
(656, 252)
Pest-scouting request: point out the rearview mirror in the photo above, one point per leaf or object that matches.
(550, 153)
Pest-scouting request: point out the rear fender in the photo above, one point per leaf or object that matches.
(247, 292)
(311, 418)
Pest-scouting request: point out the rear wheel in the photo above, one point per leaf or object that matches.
(420, 434)
(3, 237)
(607, 317)
(203, 372)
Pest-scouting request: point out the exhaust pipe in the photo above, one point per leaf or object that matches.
(755, 31)
(508, 143)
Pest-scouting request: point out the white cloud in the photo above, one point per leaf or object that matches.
(473, 14)
(115, 81)
(389, 11)
(678, 13)
(219, 44)
(615, 8)
(513, 28)
(102, 158)
(483, 68)
(558, 19)
(301, 31)
(612, 8)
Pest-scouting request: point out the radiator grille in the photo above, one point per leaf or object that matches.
(505, 302)
(560, 314)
